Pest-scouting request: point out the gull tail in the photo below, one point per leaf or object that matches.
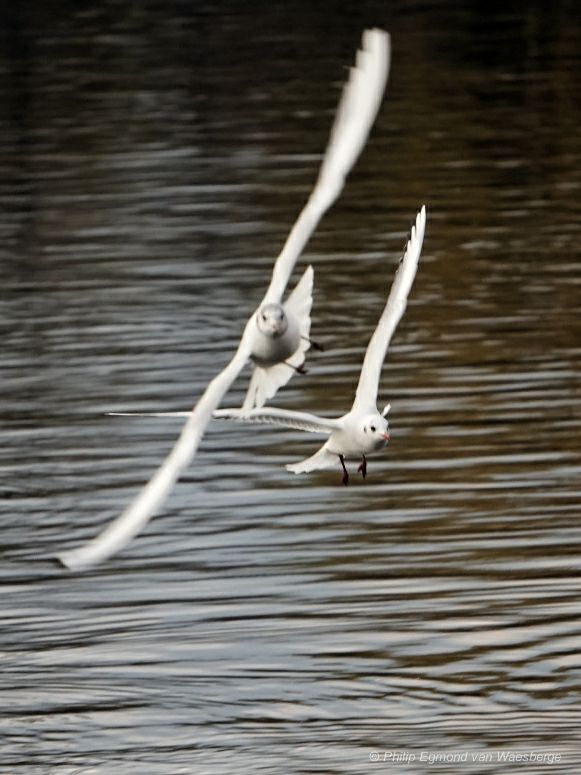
(321, 459)
(266, 381)
(264, 384)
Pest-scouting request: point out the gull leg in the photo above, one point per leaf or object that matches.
(345, 479)
(314, 345)
(299, 369)
(363, 467)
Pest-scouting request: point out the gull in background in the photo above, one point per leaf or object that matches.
(275, 337)
(363, 429)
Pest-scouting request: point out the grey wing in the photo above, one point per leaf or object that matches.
(356, 113)
(120, 532)
(286, 418)
(366, 395)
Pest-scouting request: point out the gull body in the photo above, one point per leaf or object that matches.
(354, 437)
(358, 436)
(278, 335)
(356, 112)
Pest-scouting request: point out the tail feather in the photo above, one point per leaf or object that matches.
(265, 382)
(321, 459)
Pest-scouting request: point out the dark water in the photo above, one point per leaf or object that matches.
(153, 157)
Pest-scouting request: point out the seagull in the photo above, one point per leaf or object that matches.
(280, 340)
(363, 430)
(276, 334)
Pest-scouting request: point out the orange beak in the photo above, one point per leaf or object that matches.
(386, 436)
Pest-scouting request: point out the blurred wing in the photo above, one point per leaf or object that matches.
(366, 395)
(285, 418)
(356, 113)
(120, 532)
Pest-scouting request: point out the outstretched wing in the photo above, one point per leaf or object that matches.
(285, 418)
(120, 532)
(356, 113)
(366, 395)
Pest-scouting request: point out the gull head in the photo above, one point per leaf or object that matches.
(271, 320)
(373, 431)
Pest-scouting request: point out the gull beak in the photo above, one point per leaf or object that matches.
(385, 436)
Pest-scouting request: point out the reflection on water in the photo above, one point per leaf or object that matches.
(152, 161)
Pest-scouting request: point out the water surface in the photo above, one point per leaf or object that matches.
(152, 160)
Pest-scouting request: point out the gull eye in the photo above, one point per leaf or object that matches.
(263, 316)
(373, 428)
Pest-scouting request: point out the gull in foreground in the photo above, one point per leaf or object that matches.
(362, 430)
(276, 335)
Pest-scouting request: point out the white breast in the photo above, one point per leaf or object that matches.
(268, 350)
